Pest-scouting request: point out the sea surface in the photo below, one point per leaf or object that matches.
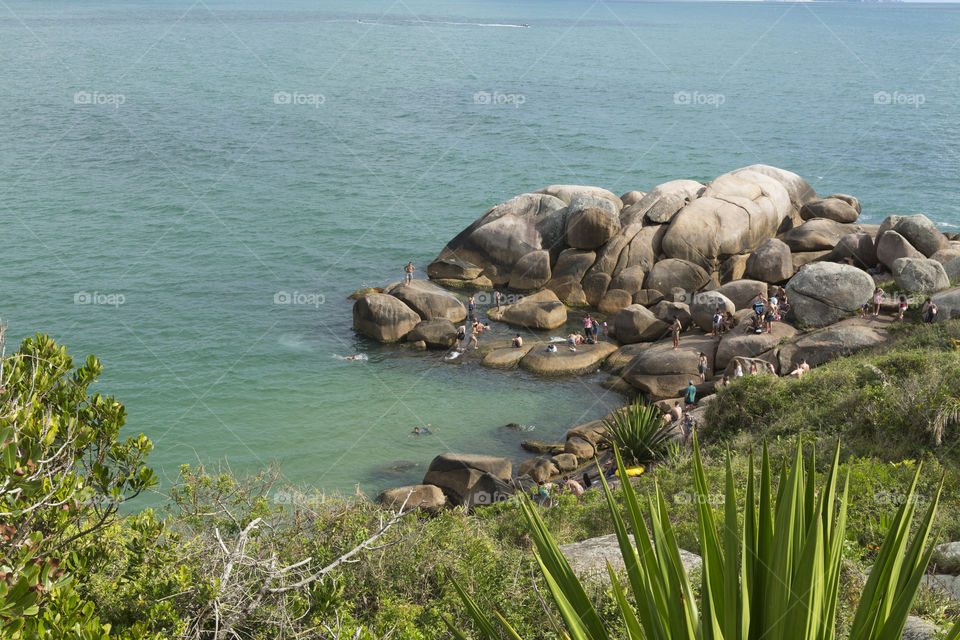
(190, 190)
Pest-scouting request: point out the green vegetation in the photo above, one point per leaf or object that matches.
(234, 556)
(640, 432)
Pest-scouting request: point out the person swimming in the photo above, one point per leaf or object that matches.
(420, 431)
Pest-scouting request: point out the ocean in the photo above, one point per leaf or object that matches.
(191, 190)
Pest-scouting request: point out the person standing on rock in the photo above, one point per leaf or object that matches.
(676, 413)
(738, 371)
(690, 395)
(901, 307)
(675, 329)
(471, 306)
(596, 330)
(702, 367)
(497, 295)
(877, 299)
(408, 270)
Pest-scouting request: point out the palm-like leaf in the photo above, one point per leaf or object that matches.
(640, 432)
(774, 577)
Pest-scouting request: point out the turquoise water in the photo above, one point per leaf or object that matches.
(147, 154)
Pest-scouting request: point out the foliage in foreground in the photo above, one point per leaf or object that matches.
(775, 576)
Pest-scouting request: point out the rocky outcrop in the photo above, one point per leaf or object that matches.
(531, 271)
(591, 222)
(424, 496)
(919, 231)
(568, 192)
(663, 201)
(438, 333)
(843, 338)
(541, 310)
(742, 292)
(824, 292)
(818, 234)
(382, 317)
(564, 362)
(636, 323)
(672, 273)
(663, 372)
(892, 246)
(948, 303)
(919, 274)
(430, 301)
(736, 344)
(540, 469)
(666, 311)
(470, 480)
(858, 247)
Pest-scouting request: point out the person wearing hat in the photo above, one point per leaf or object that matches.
(690, 396)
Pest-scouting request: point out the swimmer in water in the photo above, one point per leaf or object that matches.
(420, 431)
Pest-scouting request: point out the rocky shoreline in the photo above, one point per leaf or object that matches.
(642, 260)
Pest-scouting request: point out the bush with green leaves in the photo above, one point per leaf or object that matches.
(771, 567)
(63, 475)
(640, 432)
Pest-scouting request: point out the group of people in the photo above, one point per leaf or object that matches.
(928, 312)
(545, 490)
(476, 330)
(766, 311)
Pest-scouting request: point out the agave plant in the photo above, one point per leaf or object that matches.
(639, 431)
(772, 575)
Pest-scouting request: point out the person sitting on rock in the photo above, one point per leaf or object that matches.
(752, 371)
(676, 413)
(755, 326)
(517, 341)
(573, 486)
(802, 368)
(551, 348)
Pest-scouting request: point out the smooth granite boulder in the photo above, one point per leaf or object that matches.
(946, 255)
(891, 246)
(771, 262)
(591, 222)
(437, 333)
(614, 300)
(672, 273)
(948, 303)
(819, 234)
(636, 323)
(922, 275)
(663, 201)
(742, 292)
(666, 311)
(920, 232)
(594, 432)
(858, 247)
(565, 462)
(540, 469)
(617, 360)
(540, 310)
(470, 480)
(588, 558)
(430, 300)
(507, 232)
(631, 197)
(630, 279)
(647, 297)
(736, 343)
(830, 208)
(453, 268)
(595, 285)
(382, 317)
(840, 339)
(585, 359)
(643, 249)
(567, 192)
(733, 268)
(506, 357)
(424, 496)
(531, 272)
(952, 269)
(824, 292)
(705, 304)
(663, 372)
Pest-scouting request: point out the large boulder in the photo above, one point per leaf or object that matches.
(850, 200)
(824, 292)
(771, 262)
(453, 268)
(507, 232)
(424, 496)
(643, 249)
(663, 372)
(540, 469)
(630, 279)
(471, 480)
(430, 300)
(438, 333)
(819, 234)
(952, 269)
(595, 285)
(858, 247)
(614, 300)
(567, 274)
(636, 323)
(589, 558)
(567, 193)
(841, 339)
(506, 357)
(563, 362)
(382, 317)
(704, 306)
(742, 292)
(667, 310)
(751, 345)
(891, 246)
(631, 197)
(617, 360)
(541, 310)
(920, 232)
(672, 273)
(531, 271)
(591, 222)
(948, 303)
(922, 275)
(663, 201)
(733, 268)
(831, 208)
